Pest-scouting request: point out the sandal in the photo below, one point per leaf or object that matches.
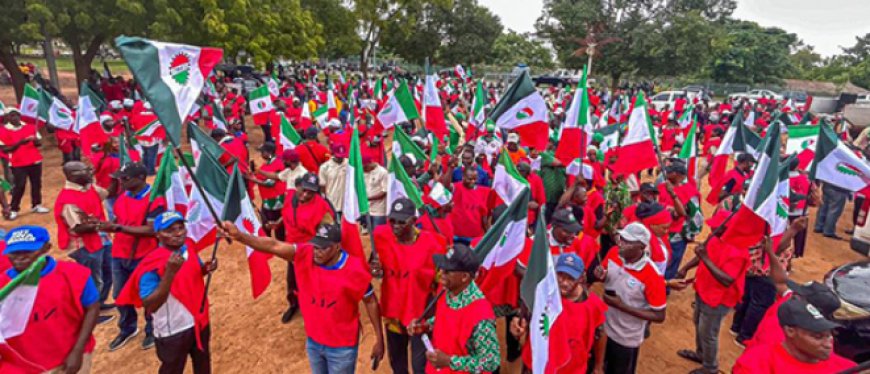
(690, 355)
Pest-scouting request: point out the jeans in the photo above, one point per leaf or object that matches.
(172, 352)
(397, 350)
(376, 221)
(122, 268)
(109, 205)
(708, 321)
(21, 175)
(833, 202)
(331, 360)
(760, 293)
(100, 266)
(149, 158)
(678, 249)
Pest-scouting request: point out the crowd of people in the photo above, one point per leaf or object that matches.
(431, 306)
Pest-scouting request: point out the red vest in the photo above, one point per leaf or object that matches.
(685, 192)
(408, 273)
(56, 318)
(90, 203)
(280, 187)
(453, 328)
(301, 220)
(469, 210)
(187, 286)
(329, 299)
(132, 212)
(25, 155)
(594, 199)
(739, 181)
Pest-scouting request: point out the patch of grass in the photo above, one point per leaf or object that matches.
(65, 64)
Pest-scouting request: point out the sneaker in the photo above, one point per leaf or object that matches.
(40, 209)
(121, 340)
(13, 215)
(105, 319)
(148, 342)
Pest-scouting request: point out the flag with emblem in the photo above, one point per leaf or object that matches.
(60, 116)
(321, 115)
(609, 138)
(507, 181)
(399, 107)
(761, 209)
(686, 119)
(835, 163)
(274, 85)
(498, 249)
(433, 113)
(289, 138)
(261, 105)
(783, 192)
(200, 143)
(637, 151)
(523, 109)
(802, 141)
(577, 129)
(539, 290)
(16, 305)
(88, 110)
(29, 106)
(477, 116)
(400, 185)
(169, 185)
(171, 76)
(403, 145)
(213, 178)
(356, 203)
(239, 209)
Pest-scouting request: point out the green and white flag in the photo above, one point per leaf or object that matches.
(689, 152)
(89, 107)
(201, 143)
(356, 203)
(321, 115)
(802, 141)
(17, 296)
(685, 119)
(477, 115)
(171, 76)
(399, 108)
(838, 165)
(782, 198)
(400, 185)
(238, 209)
(60, 116)
(149, 129)
(504, 241)
(507, 181)
(403, 145)
(29, 106)
(540, 292)
(169, 185)
(289, 138)
(201, 224)
(217, 116)
(261, 104)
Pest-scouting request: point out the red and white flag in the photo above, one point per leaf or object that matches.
(637, 151)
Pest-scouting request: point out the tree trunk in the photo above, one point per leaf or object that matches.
(48, 51)
(83, 59)
(7, 58)
(615, 83)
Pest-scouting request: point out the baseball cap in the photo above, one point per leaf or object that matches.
(458, 258)
(817, 294)
(565, 219)
(513, 138)
(267, 147)
(338, 150)
(635, 232)
(115, 104)
(10, 110)
(571, 264)
(648, 188)
(326, 235)
(218, 132)
(745, 157)
(800, 314)
(166, 219)
(402, 209)
(310, 133)
(26, 239)
(131, 170)
(129, 102)
(290, 155)
(309, 182)
(105, 117)
(677, 168)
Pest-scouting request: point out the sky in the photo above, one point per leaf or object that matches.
(825, 24)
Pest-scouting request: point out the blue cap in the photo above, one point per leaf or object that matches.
(571, 264)
(166, 219)
(26, 239)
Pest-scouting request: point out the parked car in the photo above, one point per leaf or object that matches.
(798, 97)
(693, 91)
(849, 282)
(663, 98)
(863, 98)
(754, 95)
(561, 78)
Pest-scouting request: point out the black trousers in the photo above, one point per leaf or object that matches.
(619, 359)
(267, 132)
(397, 350)
(21, 175)
(759, 294)
(173, 351)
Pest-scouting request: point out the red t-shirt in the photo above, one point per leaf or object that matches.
(131, 211)
(301, 220)
(731, 260)
(469, 210)
(312, 154)
(773, 358)
(25, 155)
(685, 192)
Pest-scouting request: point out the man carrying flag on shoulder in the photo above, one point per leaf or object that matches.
(337, 282)
(733, 181)
(37, 286)
(169, 285)
(463, 329)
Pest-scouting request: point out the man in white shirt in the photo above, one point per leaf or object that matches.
(375, 177)
(332, 177)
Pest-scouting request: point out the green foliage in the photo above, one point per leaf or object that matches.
(512, 48)
(339, 27)
(749, 53)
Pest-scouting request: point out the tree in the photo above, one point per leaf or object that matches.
(512, 48)
(805, 60)
(469, 34)
(418, 38)
(339, 27)
(16, 31)
(749, 53)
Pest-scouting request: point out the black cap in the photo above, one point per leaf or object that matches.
(745, 157)
(402, 209)
(326, 235)
(218, 132)
(131, 170)
(648, 187)
(267, 147)
(800, 314)
(817, 294)
(677, 168)
(309, 182)
(310, 133)
(566, 220)
(458, 258)
(650, 209)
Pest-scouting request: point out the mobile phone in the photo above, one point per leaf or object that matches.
(610, 292)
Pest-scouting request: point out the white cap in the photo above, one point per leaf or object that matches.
(105, 117)
(635, 232)
(334, 123)
(115, 104)
(146, 105)
(513, 138)
(129, 102)
(11, 109)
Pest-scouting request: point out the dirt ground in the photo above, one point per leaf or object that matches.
(247, 334)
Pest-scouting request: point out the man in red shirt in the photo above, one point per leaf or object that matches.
(733, 181)
(470, 210)
(336, 283)
(312, 154)
(807, 348)
(21, 141)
